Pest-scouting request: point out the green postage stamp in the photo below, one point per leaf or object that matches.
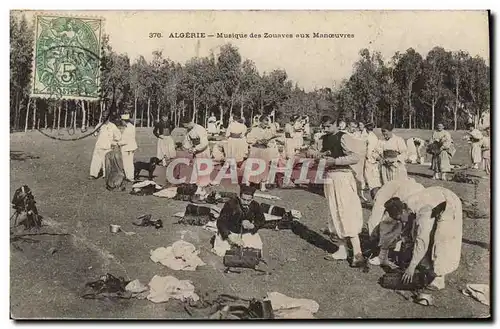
(67, 57)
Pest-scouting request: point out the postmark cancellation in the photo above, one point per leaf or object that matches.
(67, 57)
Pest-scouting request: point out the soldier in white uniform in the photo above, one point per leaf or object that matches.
(128, 146)
(434, 216)
(109, 135)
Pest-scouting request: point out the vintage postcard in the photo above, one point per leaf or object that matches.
(250, 164)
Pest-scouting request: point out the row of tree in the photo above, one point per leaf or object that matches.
(409, 91)
(414, 92)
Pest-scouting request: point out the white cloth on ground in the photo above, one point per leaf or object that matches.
(163, 288)
(249, 241)
(211, 226)
(136, 287)
(181, 255)
(169, 193)
(285, 307)
(266, 196)
(480, 292)
(146, 183)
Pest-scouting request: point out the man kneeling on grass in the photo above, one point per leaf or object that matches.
(432, 232)
(238, 223)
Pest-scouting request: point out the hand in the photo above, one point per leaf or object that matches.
(247, 225)
(408, 274)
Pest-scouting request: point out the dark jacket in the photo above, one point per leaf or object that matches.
(233, 214)
(160, 128)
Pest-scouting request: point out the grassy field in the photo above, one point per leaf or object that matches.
(46, 284)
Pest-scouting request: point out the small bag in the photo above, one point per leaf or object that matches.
(260, 309)
(242, 257)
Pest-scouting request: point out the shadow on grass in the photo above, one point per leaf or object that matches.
(476, 243)
(21, 156)
(413, 173)
(314, 238)
(313, 188)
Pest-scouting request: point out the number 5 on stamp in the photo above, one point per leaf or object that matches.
(67, 58)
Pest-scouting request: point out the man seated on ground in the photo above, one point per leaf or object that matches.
(432, 232)
(238, 223)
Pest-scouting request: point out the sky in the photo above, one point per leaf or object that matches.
(311, 62)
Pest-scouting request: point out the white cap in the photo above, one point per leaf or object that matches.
(125, 116)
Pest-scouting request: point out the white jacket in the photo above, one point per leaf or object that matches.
(128, 142)
(109, 134)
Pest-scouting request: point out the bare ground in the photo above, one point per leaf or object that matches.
(48, 284)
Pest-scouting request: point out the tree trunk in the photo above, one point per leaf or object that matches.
(66, 116)
(206, 115)
(100, 112)
(194, 106)
(221, 109)
(183, 110)
(392, 113)
(45, 119)
(241, 110)
(54, 114)
(455, 110)
(38, 123)
(433, 113)
(231, 107)
(27, 116)
(34, 114)
(409, 104)
(158, 113)
(261, 105)
(455, 119)
(142, 117)
(135, 108)
(59, 115)
(84, 116)
(16, 113)
(149, 108)
(176, 114)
